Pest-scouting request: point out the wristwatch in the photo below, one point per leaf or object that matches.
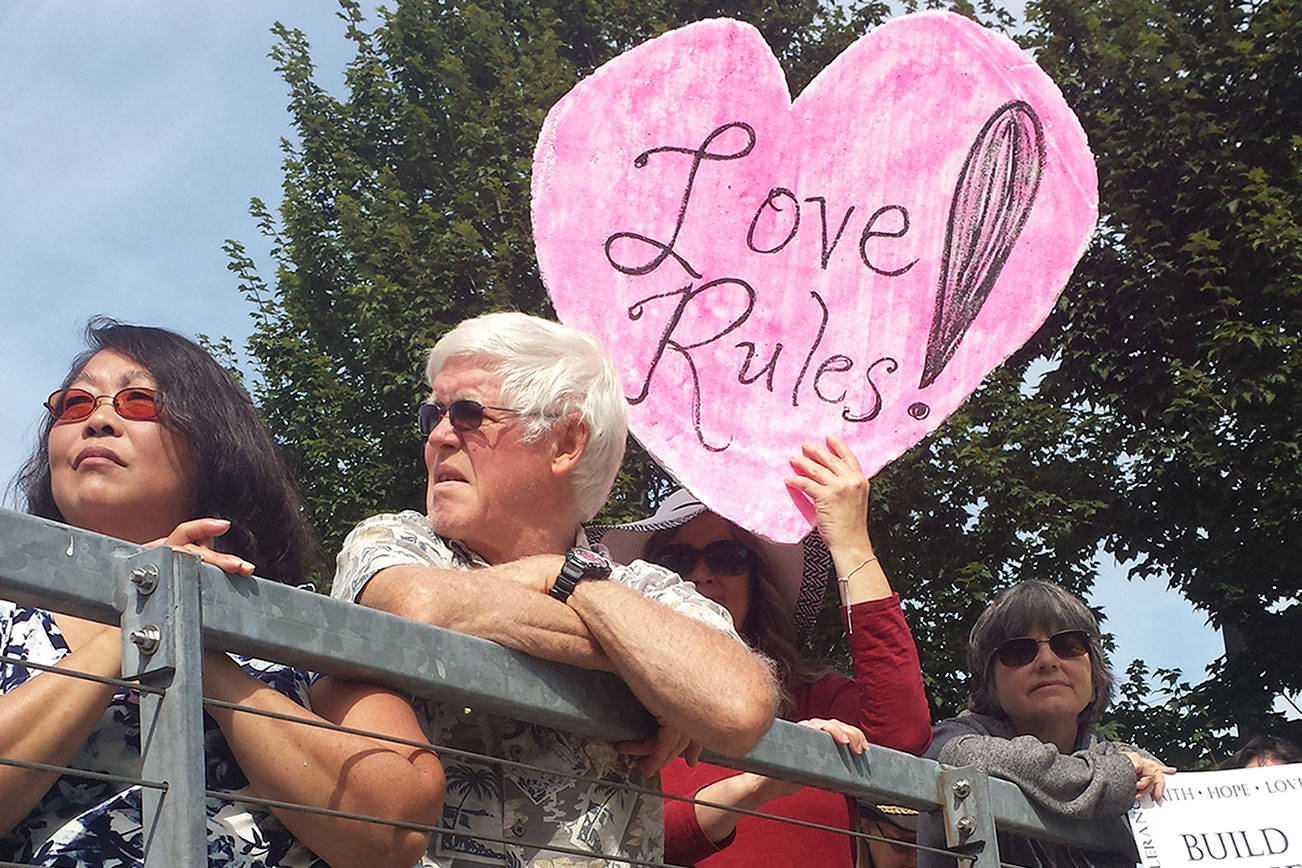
(579, 564)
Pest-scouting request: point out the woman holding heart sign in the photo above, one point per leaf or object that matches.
(770, 590)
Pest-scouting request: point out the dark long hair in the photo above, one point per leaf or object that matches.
(1267, 749)
(768, 627)
(237, 471)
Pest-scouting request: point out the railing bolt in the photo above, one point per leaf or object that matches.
(147, 638)
(962, 788)
(966, 826)
(145, 578)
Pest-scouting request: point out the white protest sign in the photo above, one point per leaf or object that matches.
(1241, 817)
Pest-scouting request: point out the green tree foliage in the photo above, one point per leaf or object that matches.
(1161, 710)
(406, 210)
(1152, 416)
(1179, 332)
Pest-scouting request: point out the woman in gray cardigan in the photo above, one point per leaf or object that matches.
(1039, 681)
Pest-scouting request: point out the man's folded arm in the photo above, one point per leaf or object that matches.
(496, 603)
(702, 681)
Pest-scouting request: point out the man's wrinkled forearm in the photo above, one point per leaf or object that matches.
(698, 679)
(484, 604)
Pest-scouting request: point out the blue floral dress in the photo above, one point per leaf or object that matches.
(97, 824)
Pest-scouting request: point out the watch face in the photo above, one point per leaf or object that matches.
(579, 564)
(589, 560)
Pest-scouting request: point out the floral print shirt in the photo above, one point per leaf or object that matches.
(84, 823)
(507, 815)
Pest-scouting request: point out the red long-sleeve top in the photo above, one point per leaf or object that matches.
(885, 699)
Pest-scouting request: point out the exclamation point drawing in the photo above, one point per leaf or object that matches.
(992, 200)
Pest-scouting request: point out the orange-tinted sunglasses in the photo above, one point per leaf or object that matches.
(134, 402)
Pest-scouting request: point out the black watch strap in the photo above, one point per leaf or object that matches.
(579, 564)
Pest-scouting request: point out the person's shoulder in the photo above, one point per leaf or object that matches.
(408, 529)
(971, 721)
(644, 577)
(390, 540)
(966, 723)
(668, 588)
(817, 698)
(408, 520)
(829, 683)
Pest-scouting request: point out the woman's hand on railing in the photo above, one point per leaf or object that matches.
(196, 537)
(661, 748)
(844, 734)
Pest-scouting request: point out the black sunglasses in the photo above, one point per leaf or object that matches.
(1022, 650)
(465, 414)
(725, 557)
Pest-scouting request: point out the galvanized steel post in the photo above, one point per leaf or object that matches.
(969, 821)
(162, 647)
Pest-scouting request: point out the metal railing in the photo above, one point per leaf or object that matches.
(170, 605)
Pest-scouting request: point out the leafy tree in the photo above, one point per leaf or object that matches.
(1151, 415)
(405, 210)
(1161, 710)
(1179, 331)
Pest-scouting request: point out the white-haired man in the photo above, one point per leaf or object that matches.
(525, 428)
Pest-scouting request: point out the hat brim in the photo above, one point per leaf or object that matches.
(897, 815)
(800, 569)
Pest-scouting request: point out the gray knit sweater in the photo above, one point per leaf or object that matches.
(1095, 782)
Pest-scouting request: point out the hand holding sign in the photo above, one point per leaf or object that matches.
(1150, 776)
(767, 272)
(1240, 816)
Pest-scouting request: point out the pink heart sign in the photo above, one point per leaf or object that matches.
(765, 272)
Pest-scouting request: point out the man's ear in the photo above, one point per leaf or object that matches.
(571, 442)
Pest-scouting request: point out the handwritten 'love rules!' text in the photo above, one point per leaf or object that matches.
(766, 272)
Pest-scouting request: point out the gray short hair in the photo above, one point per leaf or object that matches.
(550, 371)
(1016, 612)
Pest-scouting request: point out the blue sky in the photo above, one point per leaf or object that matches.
(132, 136)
